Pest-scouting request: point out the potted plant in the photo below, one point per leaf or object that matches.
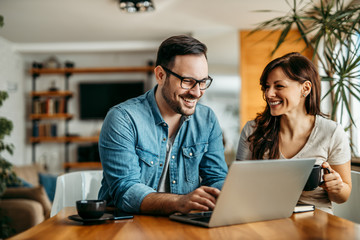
(7, 176)
(331, 28)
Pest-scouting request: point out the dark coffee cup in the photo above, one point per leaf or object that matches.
(91, 209)
(314, 179)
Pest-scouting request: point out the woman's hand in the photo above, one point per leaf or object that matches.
(333, 182)
(337, 183)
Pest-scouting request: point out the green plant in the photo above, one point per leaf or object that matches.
(7, 176)
(331, 29)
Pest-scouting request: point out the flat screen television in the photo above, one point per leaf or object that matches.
(95, 99)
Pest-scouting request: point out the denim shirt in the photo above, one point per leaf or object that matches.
(132, 149)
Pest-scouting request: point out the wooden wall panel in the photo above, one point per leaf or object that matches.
(255, 54)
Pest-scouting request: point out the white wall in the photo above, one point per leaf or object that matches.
(11, 79)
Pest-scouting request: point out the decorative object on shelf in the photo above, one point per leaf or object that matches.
(53, 87)
(52, 62)
(69, 64)
(132, 6)
(37, 65)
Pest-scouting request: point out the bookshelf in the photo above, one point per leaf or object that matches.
(51, 106)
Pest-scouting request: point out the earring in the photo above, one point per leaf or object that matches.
(304, 95)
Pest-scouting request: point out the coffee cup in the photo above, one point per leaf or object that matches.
(315, 178)
(91, 209)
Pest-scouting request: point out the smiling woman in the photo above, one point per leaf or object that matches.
(292, 126)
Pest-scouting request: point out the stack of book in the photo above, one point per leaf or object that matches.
(49, 106)
(44, 130)
(304, 208)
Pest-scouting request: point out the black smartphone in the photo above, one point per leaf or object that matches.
(121, 215)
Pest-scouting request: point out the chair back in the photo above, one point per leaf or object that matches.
(350, 210)
(70, 187)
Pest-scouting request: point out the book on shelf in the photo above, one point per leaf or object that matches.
(35, 129)
(37, 107)
(49, 106)
(304, 208)
(61, 106)
(44, 130)
(53, 130)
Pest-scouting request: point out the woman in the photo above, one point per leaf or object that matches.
(292, 126)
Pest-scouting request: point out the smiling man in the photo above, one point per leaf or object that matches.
(162, 152)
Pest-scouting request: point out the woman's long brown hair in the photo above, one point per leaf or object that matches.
(265, 138)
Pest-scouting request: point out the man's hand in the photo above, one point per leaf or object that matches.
(202, 198)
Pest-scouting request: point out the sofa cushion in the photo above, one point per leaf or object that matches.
(22, 183)
(49, 183)
(36, 193)
(29, 173)
(22, 213)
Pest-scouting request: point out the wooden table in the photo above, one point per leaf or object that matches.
(310, 225)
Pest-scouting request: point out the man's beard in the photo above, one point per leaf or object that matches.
(176, 106)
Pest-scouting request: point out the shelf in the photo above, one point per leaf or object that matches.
(91, 70)
(79, 139)
(64, 139)
(88, 165)
(52, 94)
(56, 103)
(51, 116)
(48, 139)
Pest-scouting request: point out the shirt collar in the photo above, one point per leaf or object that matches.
(155, 109)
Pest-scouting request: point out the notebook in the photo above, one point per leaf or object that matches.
(255, 191)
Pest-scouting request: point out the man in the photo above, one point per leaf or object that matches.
(159, 155)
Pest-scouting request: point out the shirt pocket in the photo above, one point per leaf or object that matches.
(147, 163)
(192, 157)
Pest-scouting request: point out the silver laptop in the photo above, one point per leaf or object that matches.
(255, 191)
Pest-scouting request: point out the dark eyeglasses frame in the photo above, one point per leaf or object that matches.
(182, 78)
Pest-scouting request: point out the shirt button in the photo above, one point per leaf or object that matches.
(164, 124)
(174, 182)
(173, 157)
(164, 139)
(190, 154)
(152, 162)
(161, 164)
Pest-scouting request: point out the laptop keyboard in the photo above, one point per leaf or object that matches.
(202, 219)
(200, 216)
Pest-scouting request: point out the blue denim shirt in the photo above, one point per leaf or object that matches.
(132, 148)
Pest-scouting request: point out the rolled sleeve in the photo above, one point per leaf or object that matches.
(134, 196)
(121, 185)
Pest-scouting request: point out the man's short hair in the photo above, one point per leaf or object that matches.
(178, 45)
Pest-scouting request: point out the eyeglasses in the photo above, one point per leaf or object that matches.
(189, 82)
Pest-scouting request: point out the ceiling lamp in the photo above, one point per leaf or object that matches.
(132, 6)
